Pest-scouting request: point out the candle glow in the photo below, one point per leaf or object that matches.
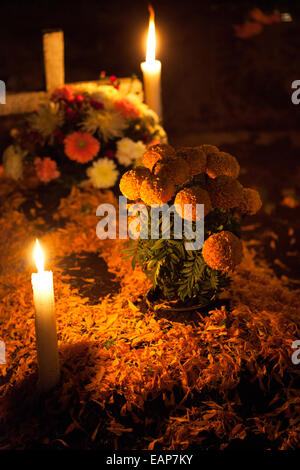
(151, 41)
(152, 70)
(45, 323)
(38, 256)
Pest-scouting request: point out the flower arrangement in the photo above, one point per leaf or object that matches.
(191, 175)
(90, 131)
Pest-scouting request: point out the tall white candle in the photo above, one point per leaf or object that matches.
(151, 69)
(45, 323)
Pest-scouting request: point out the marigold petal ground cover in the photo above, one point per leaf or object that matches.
(132, 378)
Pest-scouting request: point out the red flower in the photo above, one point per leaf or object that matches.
(114, 81)
(81, 146)
(46, 169)
(35, 136)
(59, 135)
(97, 104)
(72, 114)
(79, 98)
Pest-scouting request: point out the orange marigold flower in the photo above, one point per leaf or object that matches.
(207, 149)
(195, 158)
(155, 190)
(225, 192)
(176, 169)
(81, 146)
(222, 251)
(251, 202)
(192, 196)
(222, 163)
(131, 181)
(157, 152)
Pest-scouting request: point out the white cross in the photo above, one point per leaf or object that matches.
(53, 44)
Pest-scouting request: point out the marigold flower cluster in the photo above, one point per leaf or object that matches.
(190, 176)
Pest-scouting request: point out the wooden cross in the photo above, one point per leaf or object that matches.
(53, 45)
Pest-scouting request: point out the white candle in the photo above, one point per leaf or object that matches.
(152, 71)
(45, 323)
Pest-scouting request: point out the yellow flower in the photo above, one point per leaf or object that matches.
(103, 173)
(48, 118)
(13, 161)
(108, 124)
(222, 251)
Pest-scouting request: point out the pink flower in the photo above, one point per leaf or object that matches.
(46, 169)
(63, 93)
(127, 108)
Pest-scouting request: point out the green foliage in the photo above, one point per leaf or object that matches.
(179, 273)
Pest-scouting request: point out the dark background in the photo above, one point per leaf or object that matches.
(212, 81)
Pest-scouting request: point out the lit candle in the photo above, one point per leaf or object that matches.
(45, 323)
(152, 71)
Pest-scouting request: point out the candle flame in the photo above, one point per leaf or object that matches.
(150, 54)
(38, 257)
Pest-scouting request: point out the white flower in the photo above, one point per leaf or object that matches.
(103, 173)
(107, 94)
(13, 161)
(47, 119)
(109, 124)
(135, 99)
(148, 114)
(129, 151)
